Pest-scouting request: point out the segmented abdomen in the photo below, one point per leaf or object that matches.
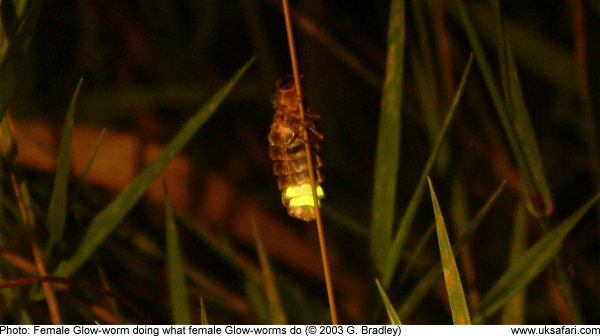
(286, 149)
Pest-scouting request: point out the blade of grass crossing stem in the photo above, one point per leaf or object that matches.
(456, 295)
(529, 265)
(345, 55)
(106, 221)
(394, 319)
(180, 308)
(391, 261)
(514, 310)
(423, 287)
(57, 209)
(275, 307)
(520, 135)
(388, 139)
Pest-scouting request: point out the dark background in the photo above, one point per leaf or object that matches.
(148, 65)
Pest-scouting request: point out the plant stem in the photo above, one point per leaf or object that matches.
(8, 150)
(23, 200)
(309, 159)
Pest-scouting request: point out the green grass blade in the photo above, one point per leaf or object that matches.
(456, 295)
(57, 209)
(391, 262)
(394, 319)
(275, 307)
(518, 115)
(515, 123)
(105, 222)
(388, 141)
(530, 46)
(530, 165)
(514, 310)
(88, 165)
(417, 294)
(180, 307)
(529, 265)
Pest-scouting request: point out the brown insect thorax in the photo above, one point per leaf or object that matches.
(286, 149)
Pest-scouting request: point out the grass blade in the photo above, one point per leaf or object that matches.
(203, 317)
(58, 200)
(179, 302)
(456, 295)
(394, 319)
(388, 141)
(539, 200)
(275, 307)
(515, 123)
(530, 46)
(518, 116)
(105, 222)
(417, 294)
(391, 262)
(88, 165)
(514, 310)
(529, 265)
(344, 54)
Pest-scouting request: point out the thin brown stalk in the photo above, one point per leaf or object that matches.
(9, 151)
(37, 254)
(444, 48)
(309, 159)
(590, 125)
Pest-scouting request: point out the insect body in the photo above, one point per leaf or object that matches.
(286, 149)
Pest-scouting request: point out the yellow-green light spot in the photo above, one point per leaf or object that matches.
(302, 195)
